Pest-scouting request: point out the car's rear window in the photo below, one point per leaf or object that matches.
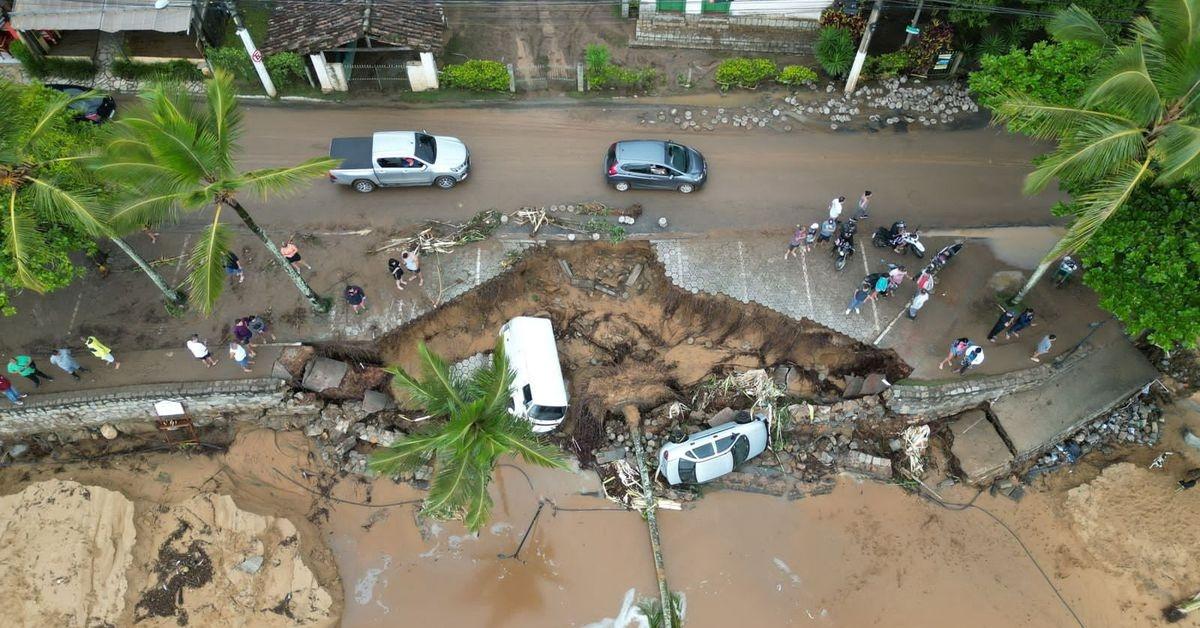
(677, 157)
(703, 451)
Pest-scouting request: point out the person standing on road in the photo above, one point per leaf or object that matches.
(239, 354)
(862, 295)
(896, 276)
(243, 334)
(259, 326)
(835, 207)
(291, 253)
(100, 351)
(24, 366)
(11, 391)
(1043, 346)
(396, 270)
(233, 267)
(63, 359)
(971, 359)
(957, 348)
(1022, 321)
(356, 298)
(412, 263)
(797, 239)
(863, 201)
(1006, 316)
(828, 228)
(918, 302)
(810, 237)
(200, 351)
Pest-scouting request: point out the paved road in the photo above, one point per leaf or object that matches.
(547, 155)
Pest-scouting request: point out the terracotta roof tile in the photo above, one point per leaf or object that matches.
(306, 27)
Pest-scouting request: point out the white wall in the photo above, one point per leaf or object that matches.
(783, 8)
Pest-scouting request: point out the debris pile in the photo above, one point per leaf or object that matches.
(1136, 423)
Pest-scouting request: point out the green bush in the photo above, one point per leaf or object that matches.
(234, 61)
(176, 70)
(834, 50)
(1056, 73)
(888, 65)
(743, 72)
(479, 75)
(837, 18)
(796, 75)
(602, 73)
(285, 68)
(54, 67)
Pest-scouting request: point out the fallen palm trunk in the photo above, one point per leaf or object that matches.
(634, 420)
(1182, 609)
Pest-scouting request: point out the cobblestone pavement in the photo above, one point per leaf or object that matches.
(806, 286)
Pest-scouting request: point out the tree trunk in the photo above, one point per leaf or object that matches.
(319, 303)
(1033, 279)
(172, 295)
(633, 420)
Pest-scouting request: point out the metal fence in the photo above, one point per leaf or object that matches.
(384, 77)
(545, 77)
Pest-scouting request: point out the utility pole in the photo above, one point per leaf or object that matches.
(256, 56)
(916, 16)
(861, 57)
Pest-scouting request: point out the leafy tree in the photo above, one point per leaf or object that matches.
(1144, 263)
(1138, 122)
(477, 430)
(1056, 73)
(52, 204)
(834, 50)
(174, 155)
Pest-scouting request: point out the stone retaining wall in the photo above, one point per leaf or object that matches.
(70, 411)
(744, 34)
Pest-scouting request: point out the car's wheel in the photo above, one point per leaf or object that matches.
(445, 182)
(621, 186)
(687, 188)
(362, 185)
(742, 417)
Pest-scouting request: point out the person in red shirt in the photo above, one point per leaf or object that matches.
(11, 391)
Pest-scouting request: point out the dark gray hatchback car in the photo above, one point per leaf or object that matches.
(654, 164)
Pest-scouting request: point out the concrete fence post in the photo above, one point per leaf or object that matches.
(579, 82)
(624, 8)
(512, 79)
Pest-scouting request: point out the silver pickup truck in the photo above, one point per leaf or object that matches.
(399, 158)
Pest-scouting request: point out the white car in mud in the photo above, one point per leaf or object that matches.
(709, 454)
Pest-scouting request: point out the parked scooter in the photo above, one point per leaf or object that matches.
(900, 239)
(944, 256)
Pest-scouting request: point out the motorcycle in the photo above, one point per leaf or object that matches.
(843, 249)
(899, 239)
(944, 256)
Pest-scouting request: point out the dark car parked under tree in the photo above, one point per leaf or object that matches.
(97, 110)
(654, 164)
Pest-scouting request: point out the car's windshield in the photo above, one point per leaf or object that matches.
(677, 157)
(426, 148)
(546, 413)
(703, 451)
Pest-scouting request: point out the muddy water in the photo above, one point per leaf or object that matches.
(865, 555)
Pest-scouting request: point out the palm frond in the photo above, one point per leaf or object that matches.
(224, 116)
(477, 503)
(1047, 121)
(405, 454)
(1088, 154)
(207, 277)
(1179, 22)
(21, 238)
(437, 380)
(1075, 23)
(46, 118)
(10, 99)
(136, 210)
(515, 435)
(1097, 204)
(78, 207)
(493, 383)
(1178, 152)
(283, 181)
(447, 492)
(1125, 84)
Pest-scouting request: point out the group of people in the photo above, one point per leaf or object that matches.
(968, 355)
(241, 348)
(824, 231)
(25, 366)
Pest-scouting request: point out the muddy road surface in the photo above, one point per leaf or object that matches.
(545, 155)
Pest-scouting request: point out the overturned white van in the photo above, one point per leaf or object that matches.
(539, 393)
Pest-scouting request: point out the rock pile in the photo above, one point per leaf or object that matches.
(1137, 423)
(339, 428)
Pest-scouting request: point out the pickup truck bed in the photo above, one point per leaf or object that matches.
(355, 152)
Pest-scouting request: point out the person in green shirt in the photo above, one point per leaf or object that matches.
(24, 366)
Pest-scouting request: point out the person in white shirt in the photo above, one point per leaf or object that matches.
(835, 207)
(200, 351)
(239, 354)
(972, 359)
(918, 302)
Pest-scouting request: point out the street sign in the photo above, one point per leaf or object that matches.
(912, 30)
(256, 56)
(943, 61)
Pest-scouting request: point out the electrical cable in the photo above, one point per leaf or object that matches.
(339, 499)
(937, 499)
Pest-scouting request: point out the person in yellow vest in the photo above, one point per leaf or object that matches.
(99, 350)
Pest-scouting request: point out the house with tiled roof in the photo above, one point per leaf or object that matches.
(383, 43)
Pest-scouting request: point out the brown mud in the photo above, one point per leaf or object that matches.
(647, 343)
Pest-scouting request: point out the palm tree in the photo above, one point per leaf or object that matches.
(177, 156)
(1138, 123)
(43, 180)
(464, 448)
